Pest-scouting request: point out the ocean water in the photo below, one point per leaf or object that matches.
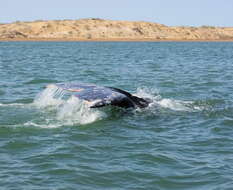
(183, 140)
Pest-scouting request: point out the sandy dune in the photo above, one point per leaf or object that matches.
(98, 29)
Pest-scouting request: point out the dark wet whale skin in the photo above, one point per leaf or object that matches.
(103, 96)
(130, 101)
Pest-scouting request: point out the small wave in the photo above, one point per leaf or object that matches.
(11, 104)
(2, 92)
(175, 105)
(43, 125)
(39, 81)
(17, 103)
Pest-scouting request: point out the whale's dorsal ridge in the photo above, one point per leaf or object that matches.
(99, 96)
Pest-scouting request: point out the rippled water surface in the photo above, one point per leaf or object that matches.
(183, 140)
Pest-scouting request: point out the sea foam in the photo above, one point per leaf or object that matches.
(68, 109)
(167, 103)
(60, 108)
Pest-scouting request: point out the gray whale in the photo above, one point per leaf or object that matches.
(99, 96)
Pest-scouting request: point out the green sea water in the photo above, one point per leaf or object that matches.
(183, 140)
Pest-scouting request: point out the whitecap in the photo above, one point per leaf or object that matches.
(176, 105)
(168, 103)
(11, 104)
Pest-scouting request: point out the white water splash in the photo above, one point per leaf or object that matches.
(176, 105)
(157, 100)
(77, 111)
(51, 96)
(69, 110)
(152, 94)
(59, 108)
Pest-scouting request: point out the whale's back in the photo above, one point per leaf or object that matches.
(99, 96)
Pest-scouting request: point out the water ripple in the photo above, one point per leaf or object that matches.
(183, 140)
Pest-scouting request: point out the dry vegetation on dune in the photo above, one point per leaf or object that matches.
(99, 29)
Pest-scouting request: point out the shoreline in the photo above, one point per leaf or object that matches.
(110, 30)
(108, 40)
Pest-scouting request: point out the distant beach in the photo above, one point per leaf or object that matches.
(104, 40)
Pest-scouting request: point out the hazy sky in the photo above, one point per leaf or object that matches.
(169, 12)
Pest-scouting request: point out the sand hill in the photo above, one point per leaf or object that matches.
(98, 29)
